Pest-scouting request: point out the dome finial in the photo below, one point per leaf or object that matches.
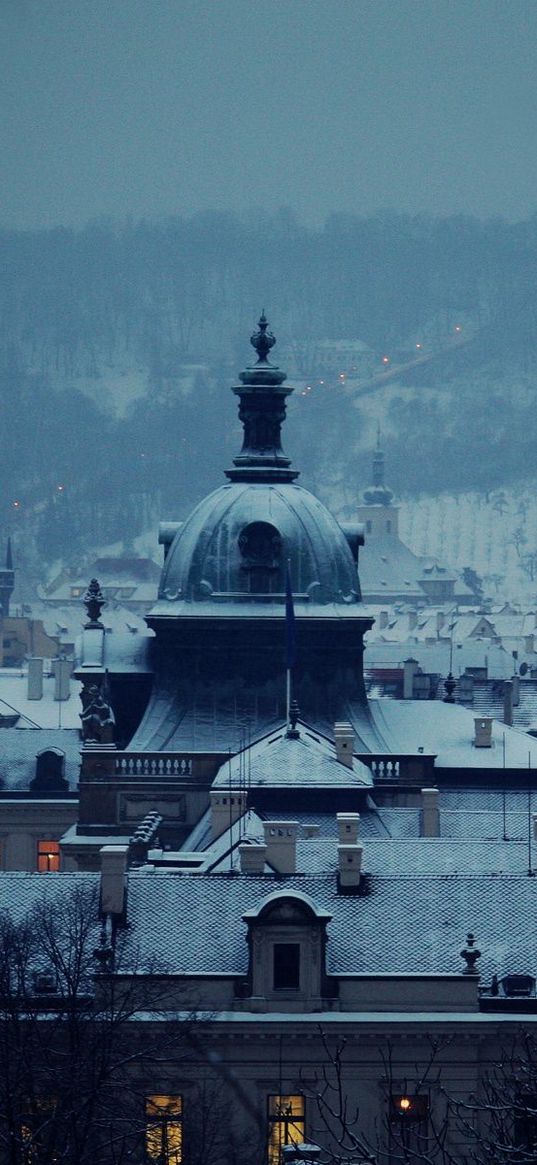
(262, 340)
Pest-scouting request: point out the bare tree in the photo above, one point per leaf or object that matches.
(82, 1042)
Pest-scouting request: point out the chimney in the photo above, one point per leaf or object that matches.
(61, 670)
(440, 621)
(113, 872)
(227, 805)
(280, 841)
(349, 864)
(508, 702)
(483, 732)
(410, 667)
(35, 679)
(344, 741)
(412, 620)
(348, 825)
(310, 829)
(252, 858)
(383, 620)
(430, 813)
(515, 680)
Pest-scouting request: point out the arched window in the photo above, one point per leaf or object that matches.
(260, 546)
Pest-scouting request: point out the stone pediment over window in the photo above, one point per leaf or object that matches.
(287, 949)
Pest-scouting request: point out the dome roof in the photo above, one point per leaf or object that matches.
(237, 542)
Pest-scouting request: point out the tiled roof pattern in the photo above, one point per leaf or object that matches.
(20, 746)
(277, 761)
(192, 924)
(402, 926)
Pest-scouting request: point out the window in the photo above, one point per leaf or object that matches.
(286, 967)
(164, 1130)
(285, 1125)
(388, 526)
(368, 526)
(48, 857)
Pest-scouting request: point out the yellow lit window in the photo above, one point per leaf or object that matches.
(164, 1130)
(48, 857)
(286, 1125)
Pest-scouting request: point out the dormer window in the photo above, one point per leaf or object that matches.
(287, 942)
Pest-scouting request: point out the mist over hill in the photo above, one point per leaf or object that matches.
(119, 345)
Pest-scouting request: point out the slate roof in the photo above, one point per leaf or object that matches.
(278, 761)
(404, 925)
(44, 713)
(20, 746)
(448, 731)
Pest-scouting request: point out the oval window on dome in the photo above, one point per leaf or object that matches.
(260, 546)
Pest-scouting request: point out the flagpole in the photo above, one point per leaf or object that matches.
(289, 640)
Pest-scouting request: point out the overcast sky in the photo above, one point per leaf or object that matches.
(157, 107)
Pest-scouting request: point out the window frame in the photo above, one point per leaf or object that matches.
(280, 1124)
(51, 856)
(161, 1119)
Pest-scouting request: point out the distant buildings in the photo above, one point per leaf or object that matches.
(302, 865)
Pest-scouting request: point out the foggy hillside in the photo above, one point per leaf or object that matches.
(119, 345)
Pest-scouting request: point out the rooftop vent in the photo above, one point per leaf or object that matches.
(517, 986)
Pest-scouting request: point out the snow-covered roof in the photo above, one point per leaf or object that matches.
(19, 748)
(44, 713)
(278, 761)
(448, 731)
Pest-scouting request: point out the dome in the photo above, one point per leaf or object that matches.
(237, 542)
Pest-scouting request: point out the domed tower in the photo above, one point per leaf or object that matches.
(220, 618)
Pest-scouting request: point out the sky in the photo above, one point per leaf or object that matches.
(151, 108)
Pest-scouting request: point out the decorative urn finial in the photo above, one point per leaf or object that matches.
(470, 954)
(262, 340)
(93, 601)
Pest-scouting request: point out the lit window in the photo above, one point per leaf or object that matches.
(286, 1125)
(286, 967)
(164, 1130)
(48, 857)
(76, 592)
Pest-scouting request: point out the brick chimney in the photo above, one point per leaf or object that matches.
(383, 620)
(430, 813)
(227, 805)
(349, 864)
(348, 826)
(252, 858)
(344, 741)
(280, 841)
(113, 878)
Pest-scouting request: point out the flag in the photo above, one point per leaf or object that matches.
(289, 621)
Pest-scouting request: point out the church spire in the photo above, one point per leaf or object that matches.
(378, 494)
(262, 394)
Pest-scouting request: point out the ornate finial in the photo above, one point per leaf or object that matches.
(9, 556)
(262, 340)
(449, 687)
(93, 601)
(378, 435)
(470, 956)
(294, 713)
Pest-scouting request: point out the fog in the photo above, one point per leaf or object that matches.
(149, 108)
